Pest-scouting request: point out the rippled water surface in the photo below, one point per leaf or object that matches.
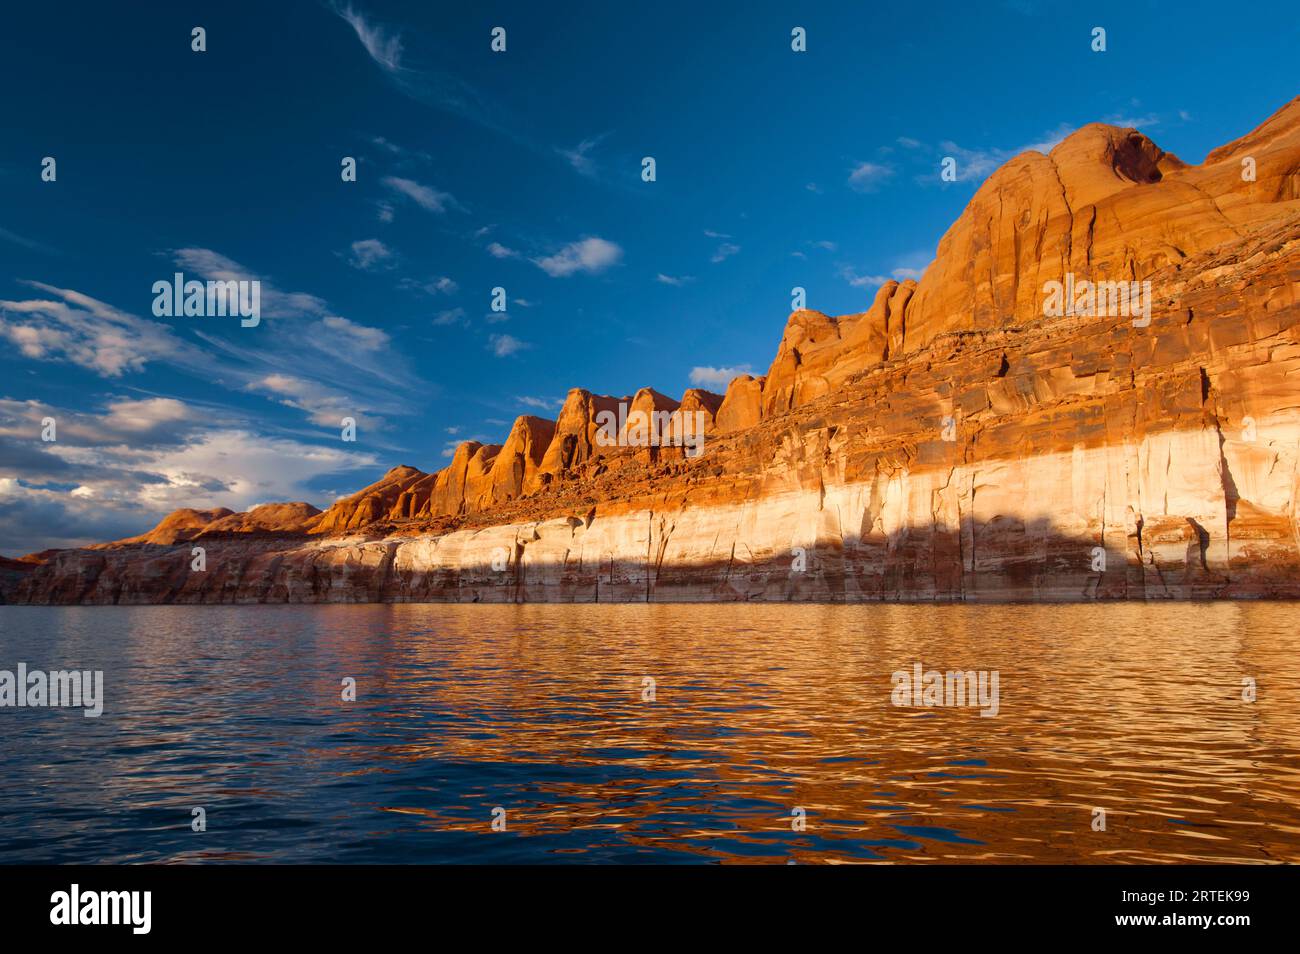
(758, 710)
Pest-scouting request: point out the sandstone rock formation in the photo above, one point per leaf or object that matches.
(743, 405)
(695, 417)
(576, 428)
(516, 468)
(374, 502)
(1106, 203)
(181, 525)
(955, 441)
(648, 413)
(819, 353)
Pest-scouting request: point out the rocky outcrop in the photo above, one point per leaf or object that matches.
(695, 417)
(268, 518)
(378, 501)
(1105, 204)
(742, 406)
(648, 413)
(466, 477)
(575, 441)
(515, 472)
(818, 353)
(958, 440)
(181, 525)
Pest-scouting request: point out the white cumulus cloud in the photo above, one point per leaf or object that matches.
(717, 379)
(505, 345)
(590, 255)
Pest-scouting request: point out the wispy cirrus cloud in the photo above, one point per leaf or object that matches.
(433, 87)
(724, 252)
(324, 406)
(383, 45)
(823, 246)
(974, 165)
(306, 340)
(869, 176)
(580, 155)
(76, 328)
(417, 79)
(541, 404)
(426, 197)
(1132, 120)
(35, 246)
(923, 160)
(276, 303)
(356, 335)
(400, 152)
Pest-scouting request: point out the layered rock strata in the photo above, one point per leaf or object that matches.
(955, 441)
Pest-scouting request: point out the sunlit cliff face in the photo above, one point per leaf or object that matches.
(957, 441)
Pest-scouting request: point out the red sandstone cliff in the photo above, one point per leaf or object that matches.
(953, 441)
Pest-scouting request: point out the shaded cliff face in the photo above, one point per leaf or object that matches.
(955, 441)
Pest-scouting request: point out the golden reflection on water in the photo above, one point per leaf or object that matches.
(1131, 708)
(1136, 709)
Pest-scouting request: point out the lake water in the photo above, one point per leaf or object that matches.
(758, 710)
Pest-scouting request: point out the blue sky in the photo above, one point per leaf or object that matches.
(477, 170)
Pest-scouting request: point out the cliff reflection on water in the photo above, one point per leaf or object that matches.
(759, 708)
